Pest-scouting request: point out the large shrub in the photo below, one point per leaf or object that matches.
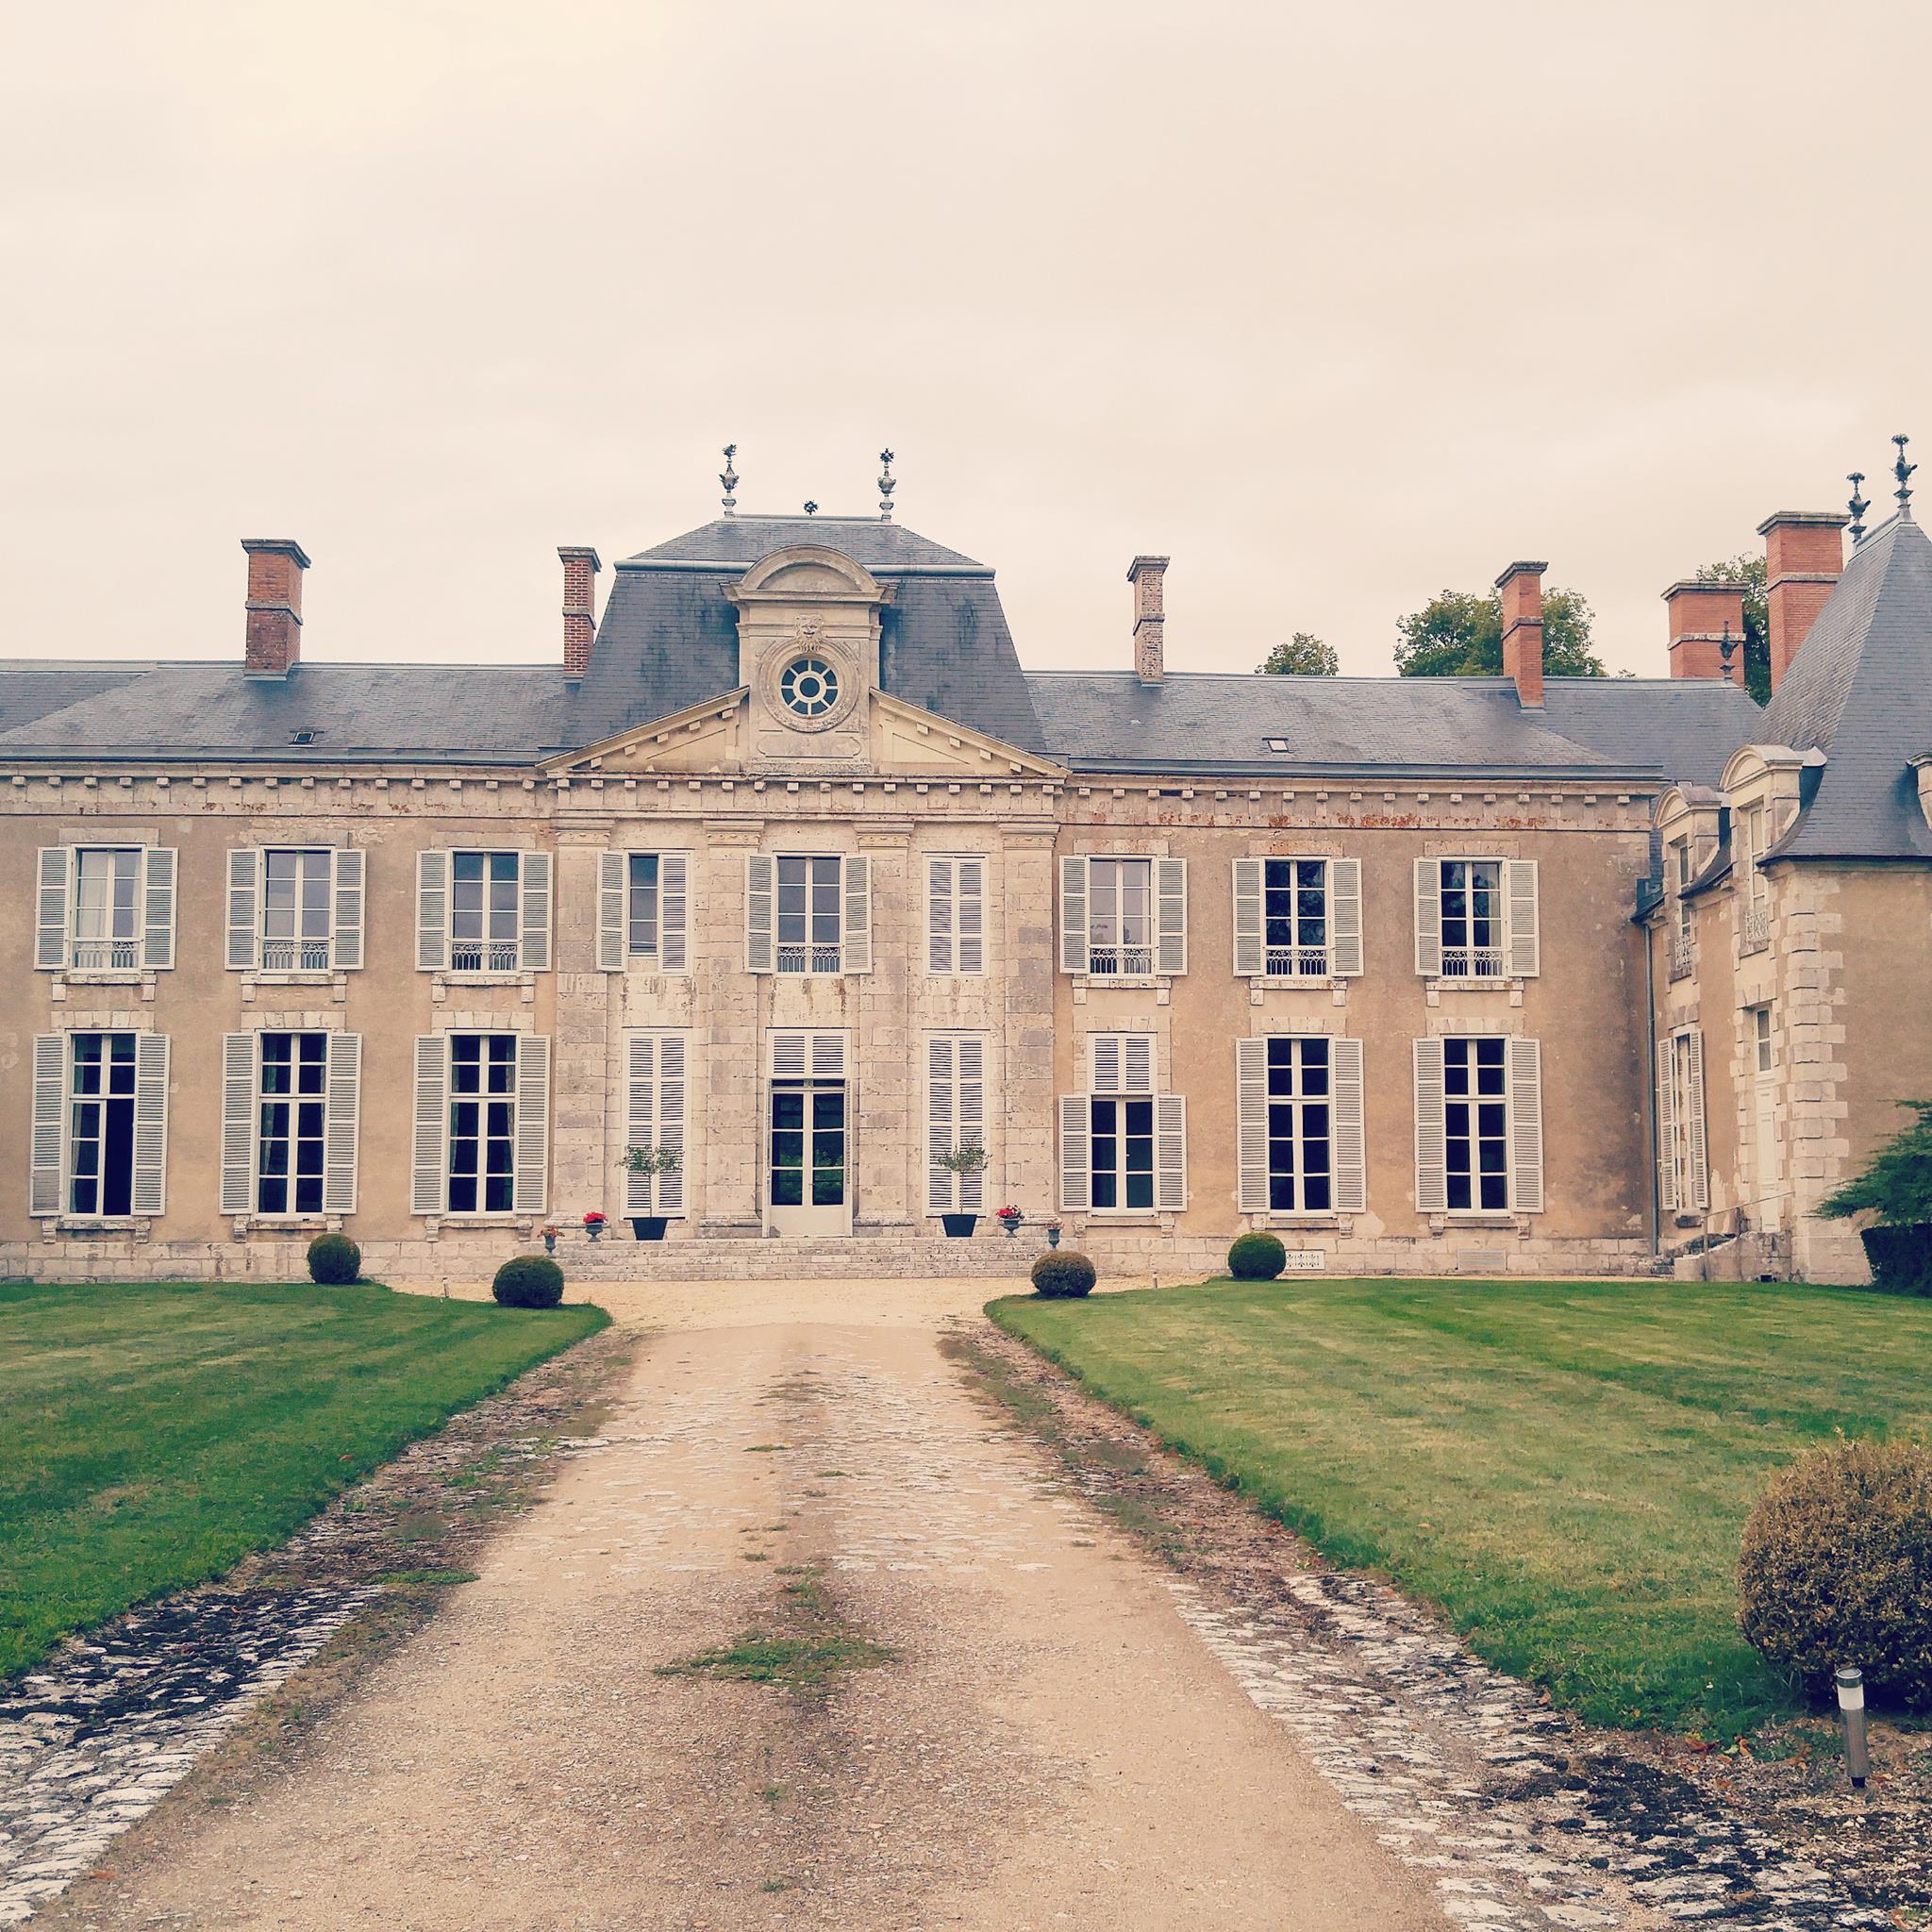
(334, 1260)
(528, 1281)
(1901, 1257)
(1060, 1276)
(1256, 1258)
(1895, 1189)
(1837, 1569)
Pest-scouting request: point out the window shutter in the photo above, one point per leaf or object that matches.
(1171, 909)
(244, 868)
(349, 864)
(1666, 1128)
(157, 919)
(971, 909)
(1077, 1158)
(761, 892)
(238, 1131)
(50, 935)
(534, 953)
(1104, 1063)
(657, 1119)
(1137, 1063)
(1431, 1133)
(431, 1149)
(674, 911)
(50, 1117)
(641, 1120)
(1348, 1145)
(1525, 1126)
(1250, 957)
(1251, 1118)
(941, 1187)
(1525, 950)
(1429, 926)
(1345, 916)
(432, 924)
(1170, 1153)
(1075, 956)
(671, 1105)
(787, 1055)
(612, 911)
(1697, 1152)
(972, 1116)
(942, 953)
(828, 1057)
(340, 1122)
(533, 1124)
(857, 957)
(151, 1103)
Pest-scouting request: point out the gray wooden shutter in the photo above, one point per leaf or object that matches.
(347, 934)
(432, 922)
(1525, 1126)
(760, 894)
(533, 955)
(655, 1118)
(1666, 1127)
(245, 872)
(1076, 1153)
(1075, 956)
(239, 1136)
(50, 1122)
(158, 911)
(341, 1122)
(1251, 1118)
(529, 1159)
(942, 952)
(1431, 1132)
(829, 1057)
(671, 1085)
(151, 1110)
(1171, 908)
(641, 1118)
(1250, 953)
(674, 911)
(1524, 950)
(430, 1153)
(941, 1185)
(1170, 1153)
(787, 1055)
(1137, 1063)
(612, 937)
(1104, 1057)
(971, 902)
(1695, 1148)
(1348, 1141)
(1428, 921)
(972, 1116)
(50, 931)
(857, 957)
(1345, 916)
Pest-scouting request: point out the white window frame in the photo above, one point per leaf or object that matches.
(148, 1128)
(1515, 948)
(435, 1097)
(1124, 1067)
(149, 947)
(955, 910)
(493, 953)
(437, 945)
(261, 1097)
(1477, 963)
(1682, 1117)
(113, 942)
(1297, 1102)
(1523, 1127)
(1164, 956)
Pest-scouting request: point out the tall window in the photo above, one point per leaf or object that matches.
(809, 922)
(1123, 1153)
(1294, 901)
(291, 1113)
(296, 891)
(100, 1149)
(1300, 1160)
(1476, 1124)
(485, 919)
(1121, 917)
(1471, 903)
(1762, 1043)
(644, 909)
(107, 911)
(482, 1121)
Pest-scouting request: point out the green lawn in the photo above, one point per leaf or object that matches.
(152, 1435)
(1563, 1467)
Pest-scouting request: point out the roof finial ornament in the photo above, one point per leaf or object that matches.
(811, 510)
(1903, 471)
(1725, 649)
(728, 477)
(887, 483)
(1859, 505)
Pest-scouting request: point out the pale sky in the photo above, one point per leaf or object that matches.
(1337, 306)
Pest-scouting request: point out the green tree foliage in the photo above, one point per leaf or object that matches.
(1897, 1185)
(1302, 656)
(1749, 571)
(1459, 634)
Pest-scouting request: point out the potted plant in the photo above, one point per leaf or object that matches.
(1010, 1219)
(650, 1160)
(549, 1232)
(1052, 1232)
(968, 1158)
(593, 1223)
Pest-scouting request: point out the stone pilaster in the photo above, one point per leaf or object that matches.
(725, 1130)
(1028, 959)
(581, 1156)
(886, 1144)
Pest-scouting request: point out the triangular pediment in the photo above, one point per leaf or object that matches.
(907, 738)
(701, 738)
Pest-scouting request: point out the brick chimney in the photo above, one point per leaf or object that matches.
(1804, 556)
(1700, 615)
(1520, 589)
(580, 567)
(1148, 575)
(275, 606)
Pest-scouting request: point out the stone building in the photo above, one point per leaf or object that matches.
(790, 869)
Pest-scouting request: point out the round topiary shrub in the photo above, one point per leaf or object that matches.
(1060, 1276)
(528, 1281)
(1256, 1258)
(1837, 1569)
(334, 1260)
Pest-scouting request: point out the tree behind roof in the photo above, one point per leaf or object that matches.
(1459, 634)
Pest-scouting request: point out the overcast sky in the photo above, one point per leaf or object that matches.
(1335, 305)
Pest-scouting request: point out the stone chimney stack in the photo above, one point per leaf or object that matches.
(1148, 575)
(1700, 614)
(1521, 590)
(580, 567)
(275, 606)
(1804, 557)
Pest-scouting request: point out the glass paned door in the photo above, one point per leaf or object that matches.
(810, 1192)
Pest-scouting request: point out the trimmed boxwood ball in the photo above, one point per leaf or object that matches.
(1256, 1258)
(1061, 1275)
(334, 1260)
(528, 1281)
(1837, 1569)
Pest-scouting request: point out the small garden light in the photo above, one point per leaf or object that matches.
(1851, 1701)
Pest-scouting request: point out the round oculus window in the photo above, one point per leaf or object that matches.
(810, 685)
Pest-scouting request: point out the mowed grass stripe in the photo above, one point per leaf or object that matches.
(156, 1433)
(1564, 1468)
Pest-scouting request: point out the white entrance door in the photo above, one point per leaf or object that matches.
(807, 1180)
